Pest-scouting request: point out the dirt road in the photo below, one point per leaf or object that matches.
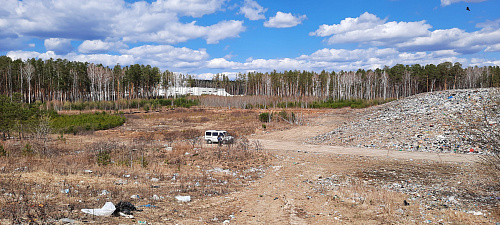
(314, 184)
(294, 140)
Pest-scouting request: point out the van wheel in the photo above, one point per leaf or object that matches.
(209, 142)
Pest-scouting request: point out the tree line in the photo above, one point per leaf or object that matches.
(63, 80)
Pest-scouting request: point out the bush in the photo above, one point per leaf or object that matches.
(85, 122)
(103, 158)
(264, 117)
(28, 150)
(2, 151)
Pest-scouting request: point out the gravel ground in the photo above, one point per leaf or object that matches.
(424, 122)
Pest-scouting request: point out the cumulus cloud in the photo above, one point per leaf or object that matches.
(252, 10)
(166, 56)
(493, 48)
(284, 20)
(58, 45)
(363, 22)
(193, 8)
(158, 21)
(454, 39)
(409, 36)
(98, 46)
(449, 2)
(368, 28)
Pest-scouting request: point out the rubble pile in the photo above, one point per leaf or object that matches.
(424, 122)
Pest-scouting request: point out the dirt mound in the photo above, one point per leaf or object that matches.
(424, 122)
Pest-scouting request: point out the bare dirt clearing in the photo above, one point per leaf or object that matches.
(272, 178)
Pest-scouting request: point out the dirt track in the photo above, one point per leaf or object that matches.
(294, 140)
(293, 190)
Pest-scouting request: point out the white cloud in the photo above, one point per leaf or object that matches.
(344, 55)
(158, 21)
(223, 30)
(98, 46)
(449, 2)
(370, 29)
(221, 63)
(24, 55)
(454, 39)
(284, 20)
(410, 36)
(493, 48)
(363, 22)
(58, 45)
(166, 56)
(252, 10)
(194, 8)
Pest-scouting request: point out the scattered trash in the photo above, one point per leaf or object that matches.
(88, 171)
(416, 123)
(148, 206)
(105, 192)
(156, 197)
(406, 203)
(135, 197)
(121, 182)
(125, 209)
(66, 191)
(155, 179)
(142, 222)
(106, 210)
(183, 198)
(67, 220)
(476, 213)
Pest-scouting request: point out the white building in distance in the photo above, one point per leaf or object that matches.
(177, 91)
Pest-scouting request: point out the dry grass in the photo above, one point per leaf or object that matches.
(45, 186)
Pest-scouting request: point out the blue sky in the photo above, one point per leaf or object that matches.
(205, 37)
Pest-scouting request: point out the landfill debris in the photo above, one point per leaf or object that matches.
(183, 198)
(155, 179)
(88, 171)
(105, 192)
(67, 220)
(156, 197)
(148, 206)
(423, 122)
(135, 197)
(106, 210)
(124, 209)
(121, 182)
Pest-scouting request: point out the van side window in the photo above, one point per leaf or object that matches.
(215, 134)
(208, 133)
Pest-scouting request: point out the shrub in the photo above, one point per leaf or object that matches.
(2, 151)
(264, 117)
(86, 122)
(28, 150)
(103, 158)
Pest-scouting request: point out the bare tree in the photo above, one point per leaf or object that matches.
(28, 74)
(481, 126)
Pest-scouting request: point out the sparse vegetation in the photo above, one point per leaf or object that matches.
(85, 171)
(353, 103)
(264, 117)
(86, 122)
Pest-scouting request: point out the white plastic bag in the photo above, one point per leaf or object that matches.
(106, 210)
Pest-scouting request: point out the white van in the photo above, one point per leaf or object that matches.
(212, 135)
